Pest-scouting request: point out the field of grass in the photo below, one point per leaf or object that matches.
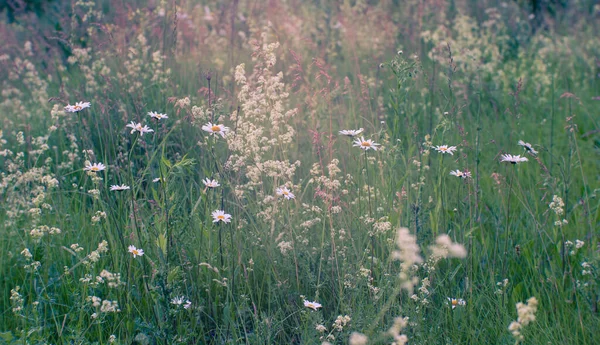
(174, 172)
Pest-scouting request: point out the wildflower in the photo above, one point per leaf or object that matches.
(528, 147)
(445, 149)
(119, 188)
(285, 192)
(312, 305)
(158, 179)
(365, 144)
(177, 300)
(157, 116)
(358, 339)
(94, 167)
(211, 183)
(221, 216)
(456, 301)
(79, 106)
(218, 129)
(462, 174)
(321, 328)
(187, 304)
(139, 128)
(513, 159)
(351, 132)
(136, 251)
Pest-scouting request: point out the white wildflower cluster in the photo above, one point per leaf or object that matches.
(381, 226)
(104, 306)
(557, 205)
(526, 315)
(572, 248)
(341, 322)
(587, 268)
(38, 232)
(96, 218)
(408, 252)
(445, 248)
(358, 339)
(396, 331)
(263, 131)
(94, 256)
(16, 300)
(502, 286)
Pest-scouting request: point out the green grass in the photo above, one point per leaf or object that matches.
(247, 280)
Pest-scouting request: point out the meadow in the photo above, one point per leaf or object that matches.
(300, 172)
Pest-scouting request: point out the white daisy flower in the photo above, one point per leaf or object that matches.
(139, 128)
(119, 188)
(79, 106)
(157, 116)
(187, 304)
(221, 216)
(446, 149)
(96, 167)
(211, 183)
(528, 147)
(456, 301)
(215, 129)
(283, 191)
(312, 305)
(513, 159)
(351, 132)
(177, 300)
(135, 251)
(365, 144)
(462, 174)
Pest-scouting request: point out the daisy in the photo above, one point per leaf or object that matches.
(312, 305)
(221, 216)
(285, 192)
(94, 167)
(445, 149)
(211, 183)
(454, 302)
(119, 188)
(218, 129)
(462, 174)
(136, 251)
(177, 300)
(513, 159)
(79, 106)
(351, 132)
(187, 304)
(365, 144)
(527, 147)
(157, 116)
(138, 127)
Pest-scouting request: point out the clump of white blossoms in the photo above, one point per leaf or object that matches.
(79, 106)
(445, 248)
(137, 127)
(408, 252)
(358, 339)
(396, 329)
(365, 144)
(513, 159)
(445, 149)
(351, 132)
(528, 147)
(526, 315)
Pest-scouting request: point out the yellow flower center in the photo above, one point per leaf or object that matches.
(135, 252)
(454, 302)
(366, 143)
(77, 107)
(215, 128)
(443, 149)
(221, 217)
(94, 169)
